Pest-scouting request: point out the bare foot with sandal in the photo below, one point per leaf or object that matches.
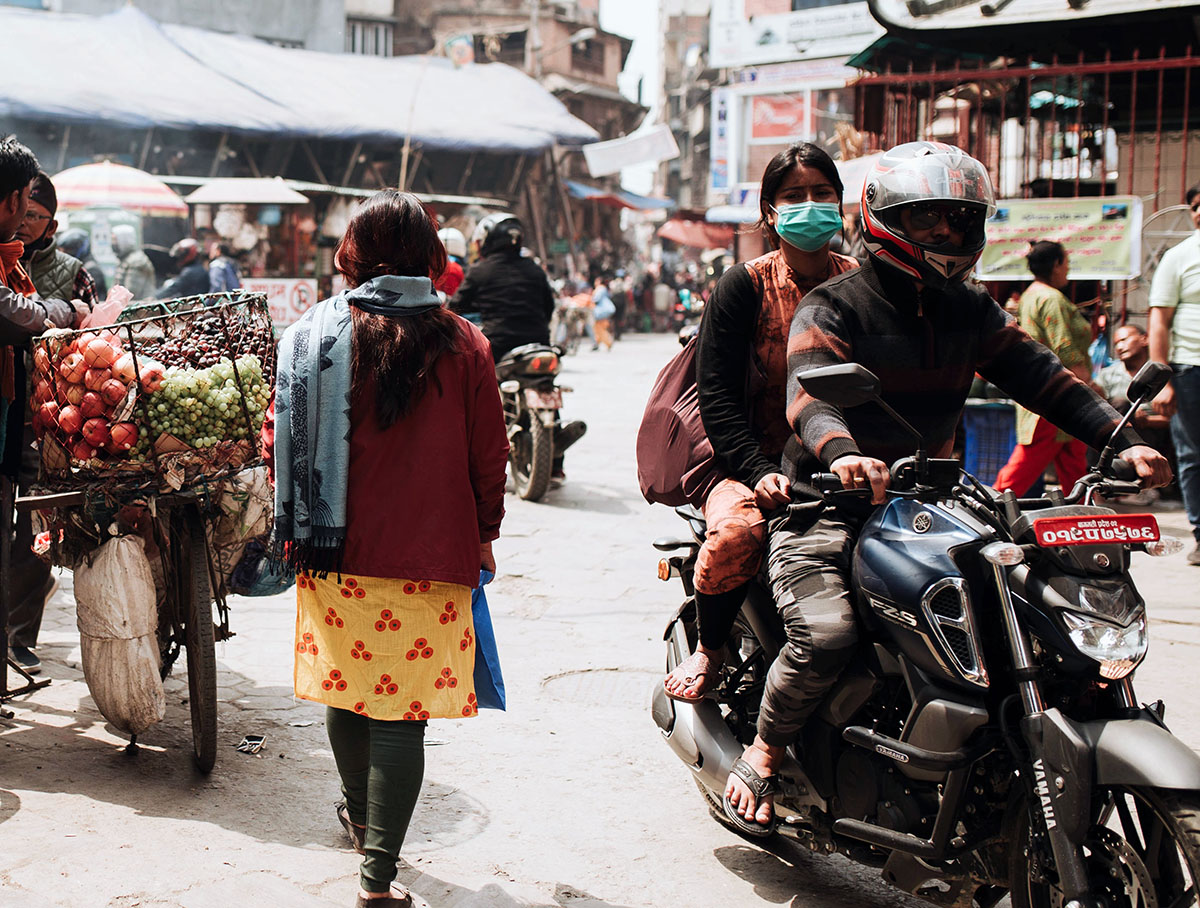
(750, 792)
(695, 676)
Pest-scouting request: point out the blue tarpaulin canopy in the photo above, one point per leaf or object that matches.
(619, 198)
(125, 69)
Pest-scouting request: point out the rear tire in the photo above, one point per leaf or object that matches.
(1149, 845)
(532, 458)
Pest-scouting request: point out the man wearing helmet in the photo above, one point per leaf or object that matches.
(509, 291)
(192, 279)
(456, 257)
(908, 316)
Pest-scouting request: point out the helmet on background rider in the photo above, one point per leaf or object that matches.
(185, 252)
(932, 181)
(454, 241)
(76, 242)
(497, 233)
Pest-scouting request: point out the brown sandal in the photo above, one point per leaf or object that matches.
(357, 833)
(391, 901)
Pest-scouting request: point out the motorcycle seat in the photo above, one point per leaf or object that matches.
(523, 351)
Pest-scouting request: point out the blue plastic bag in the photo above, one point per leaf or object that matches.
(489, 683)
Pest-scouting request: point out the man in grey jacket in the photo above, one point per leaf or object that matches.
(22, 314)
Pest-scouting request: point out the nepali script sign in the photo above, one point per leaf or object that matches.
(1102, 236)
(288, 298)
(1119, 528)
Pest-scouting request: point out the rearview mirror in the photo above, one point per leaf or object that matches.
(1150, 379)
(843, 384)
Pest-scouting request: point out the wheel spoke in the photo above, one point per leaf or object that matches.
(1129, 828)
(1187, 898)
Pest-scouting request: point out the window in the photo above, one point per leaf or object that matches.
(588, 56)
(508, 49)
(370, 37)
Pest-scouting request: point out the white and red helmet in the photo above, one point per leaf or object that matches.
(927, 174)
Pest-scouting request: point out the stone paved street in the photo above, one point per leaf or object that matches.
(568, 799)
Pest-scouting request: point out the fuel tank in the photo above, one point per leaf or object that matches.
(912, 593)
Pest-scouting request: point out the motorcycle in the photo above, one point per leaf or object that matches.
(532, 399)
(986, 738)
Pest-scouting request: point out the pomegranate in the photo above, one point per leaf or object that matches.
(81, 450)
(94, 379)
(152, 375)
(122, 437)
(48, 414)
(74, 394)
(41, 359)
(122, 368)
(72, 367)
(42, 391)
(113, 391)
(92, 405)
(95, 432)
(70, 420)
(99, 353)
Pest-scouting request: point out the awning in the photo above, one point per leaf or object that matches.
(126, 70)
(697, 234)
(246, 191)
(108, 183)
(619, 198)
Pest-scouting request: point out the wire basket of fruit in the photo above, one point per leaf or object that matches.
(171, 395)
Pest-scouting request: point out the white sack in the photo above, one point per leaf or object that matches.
(117, 621)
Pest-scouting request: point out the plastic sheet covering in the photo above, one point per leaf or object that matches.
(127, 70)
(117, 620)
(245, 506)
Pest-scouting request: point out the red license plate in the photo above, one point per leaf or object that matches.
(543, 400)
(1108, 529)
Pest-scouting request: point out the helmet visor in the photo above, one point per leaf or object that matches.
(965, 219)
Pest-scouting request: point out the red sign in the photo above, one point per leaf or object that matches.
(1111, 530)
(779, 117)
(289, 298)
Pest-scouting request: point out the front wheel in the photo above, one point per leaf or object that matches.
(1143, 852)
(196, 607)
(532, 458)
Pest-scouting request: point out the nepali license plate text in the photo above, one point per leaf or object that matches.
(543, 400)
(1108, 529)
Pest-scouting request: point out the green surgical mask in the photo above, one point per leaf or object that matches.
(808, 225)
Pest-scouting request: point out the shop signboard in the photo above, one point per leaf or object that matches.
(778, 116)
(1102, 236)
(736, 39)
(289, 298)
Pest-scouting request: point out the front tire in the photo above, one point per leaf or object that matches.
(201, 654)
(532, 458)
(1145, 852)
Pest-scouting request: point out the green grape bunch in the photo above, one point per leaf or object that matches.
(202, 407)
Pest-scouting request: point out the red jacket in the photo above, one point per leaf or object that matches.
(423, 494)
(450, 279)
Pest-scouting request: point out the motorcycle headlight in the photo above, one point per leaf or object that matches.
(1119, 650)
(1117, 603)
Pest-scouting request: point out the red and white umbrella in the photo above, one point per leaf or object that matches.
(108, 183)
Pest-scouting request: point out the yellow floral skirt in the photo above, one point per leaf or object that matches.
(389, 649)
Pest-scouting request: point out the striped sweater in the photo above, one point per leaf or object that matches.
(925, 347)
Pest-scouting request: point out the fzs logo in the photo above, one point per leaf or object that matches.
(894, 614)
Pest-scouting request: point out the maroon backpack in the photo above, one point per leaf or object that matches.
(675, 460)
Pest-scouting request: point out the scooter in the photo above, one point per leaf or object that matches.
(986, 739)
(532, 399)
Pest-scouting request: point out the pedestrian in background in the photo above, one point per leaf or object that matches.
(1052, 320)
(192, 278)
(603, 311)
(1175, 339)
(135, 271)
(387, 515)
(78, 242)
(222, 270)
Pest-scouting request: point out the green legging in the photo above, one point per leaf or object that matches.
(382, 765)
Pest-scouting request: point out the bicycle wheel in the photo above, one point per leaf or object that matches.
(196, 608)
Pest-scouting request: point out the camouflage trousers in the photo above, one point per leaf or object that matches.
(808, 567)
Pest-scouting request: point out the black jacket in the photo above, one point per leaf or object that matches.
(513, 299)
(191, 281)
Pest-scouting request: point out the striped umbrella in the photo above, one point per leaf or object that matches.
(108, 183)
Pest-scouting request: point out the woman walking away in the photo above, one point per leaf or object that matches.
(1052, 320)
(389, 454)
(741, 381)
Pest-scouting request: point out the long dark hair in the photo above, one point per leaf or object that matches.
(392, 233)
(776, 172)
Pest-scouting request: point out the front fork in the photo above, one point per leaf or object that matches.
(1060, 760)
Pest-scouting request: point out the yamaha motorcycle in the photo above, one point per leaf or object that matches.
(532, 398)
(986, 740)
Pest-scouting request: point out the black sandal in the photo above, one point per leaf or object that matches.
(760, 787)
(357, 833)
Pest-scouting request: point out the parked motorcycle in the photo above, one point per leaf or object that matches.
(532, 399)
(986, 739)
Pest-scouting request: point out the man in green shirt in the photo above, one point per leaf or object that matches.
(1175, 339)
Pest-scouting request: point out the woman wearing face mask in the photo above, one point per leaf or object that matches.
(741, 377)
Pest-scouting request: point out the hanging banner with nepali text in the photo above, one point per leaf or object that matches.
(1102, 236)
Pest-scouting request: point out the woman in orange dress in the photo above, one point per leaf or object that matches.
(389, 456)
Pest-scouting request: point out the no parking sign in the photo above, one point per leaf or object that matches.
(289, 298)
